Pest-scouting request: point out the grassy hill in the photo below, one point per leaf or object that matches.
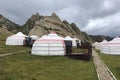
(4, 33)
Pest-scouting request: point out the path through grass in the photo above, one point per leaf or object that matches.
(113, 62)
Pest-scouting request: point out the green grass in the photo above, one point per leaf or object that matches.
(3, 37)
(25, 66)
(113, 62)
(9, 49)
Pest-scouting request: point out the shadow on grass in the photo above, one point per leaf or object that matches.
(75, 56)
(79, 57)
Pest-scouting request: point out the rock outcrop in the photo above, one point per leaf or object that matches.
(30, 23)
(9, 25)
(41, 25)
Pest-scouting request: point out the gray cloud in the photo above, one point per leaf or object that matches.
(92, 16)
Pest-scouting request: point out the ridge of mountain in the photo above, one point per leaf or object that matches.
(41, 25)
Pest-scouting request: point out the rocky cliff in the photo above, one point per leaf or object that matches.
(41, 25)
(9, 25)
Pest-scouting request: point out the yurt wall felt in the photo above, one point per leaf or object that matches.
(17, 39)
(49, 45)
(112, 47)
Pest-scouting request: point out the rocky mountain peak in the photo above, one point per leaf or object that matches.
(53, 15)
(37, 14)
(34, 17)
(53, 23)
(74, 26)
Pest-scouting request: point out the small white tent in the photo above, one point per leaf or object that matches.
(68, 38)
(74, 41)
(112, 47)
(51, 44)
(101, 44)
(17, 39)
(94, 44)
(34, 37)
(98, 46)
(77, 41)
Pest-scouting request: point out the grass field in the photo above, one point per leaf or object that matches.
(24, 66)
(113, 62)
(10, 49)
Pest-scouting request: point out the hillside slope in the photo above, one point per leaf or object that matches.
(4, 33)
(99, 38)
(9, 25)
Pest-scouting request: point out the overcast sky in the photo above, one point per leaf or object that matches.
(93, 16)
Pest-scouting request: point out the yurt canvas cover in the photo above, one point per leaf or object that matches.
(112, 47)
(98, 46)
(17, 39)
(49, 45)
(101, 44)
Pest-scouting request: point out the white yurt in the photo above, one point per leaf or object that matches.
(99, 45)
(74, 42)
(104, 42)
(68, 38)
(16, 39)
(94, 44)
(50, 44)
(34, 37)
(77, 41)
(112, 47)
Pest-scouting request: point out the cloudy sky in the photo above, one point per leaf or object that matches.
(93, 16)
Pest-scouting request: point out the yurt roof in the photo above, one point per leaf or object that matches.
(52, 36)
(44, 36)
(95, 43)
(115, 40)
(19, 34)
(34, 37)
(68, 38)
(104, 41)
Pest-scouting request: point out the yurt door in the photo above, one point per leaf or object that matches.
(68, 45)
